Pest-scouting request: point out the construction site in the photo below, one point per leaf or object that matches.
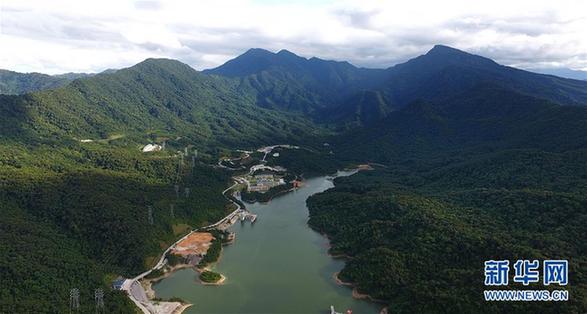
(193, 247)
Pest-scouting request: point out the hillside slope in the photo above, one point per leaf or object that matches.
(14, 83)
(488, 174)
(157, 96)
(75, 214)
(444, 71)
(284, 80)
(340, 93)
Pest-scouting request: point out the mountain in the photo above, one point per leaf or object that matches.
(157, 96)
(14, 83)
(444, 71)
(486, 174)
(284, 80)
(483, 118)
(473, 161)
(74, 213)
(340, 93)
(365, 107)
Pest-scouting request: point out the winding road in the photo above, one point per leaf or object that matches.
(133, 287)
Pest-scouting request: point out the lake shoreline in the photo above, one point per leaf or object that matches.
(148, 283)
(355, 293)
(197, 270)
(217, 283)
(317, 185)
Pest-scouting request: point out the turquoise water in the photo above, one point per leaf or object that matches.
(277, 265)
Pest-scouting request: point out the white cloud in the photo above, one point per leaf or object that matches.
(71, 35)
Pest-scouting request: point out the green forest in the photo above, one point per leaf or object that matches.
(78, 216)
(210, 276)
(472, 161)
(452, 191)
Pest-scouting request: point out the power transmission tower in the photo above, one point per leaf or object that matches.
(150, 214)
(74, 300)
(99, 297)
(171, 208)
(187, 192)
(176, 190)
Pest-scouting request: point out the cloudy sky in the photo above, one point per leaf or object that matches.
(59, 36)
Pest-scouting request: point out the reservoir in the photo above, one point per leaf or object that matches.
(277, 265)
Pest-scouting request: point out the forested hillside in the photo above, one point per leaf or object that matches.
(490, 174)
(157, 96)
(474, 161)
(289, 82)
(343, 95)
(444, 71)
(14, 83)
(77, 216)
(76, 190)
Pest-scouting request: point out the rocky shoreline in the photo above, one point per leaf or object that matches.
(356, 294)
(217, 283)
(147, 283)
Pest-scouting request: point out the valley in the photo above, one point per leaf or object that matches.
(472, 161)
(192, 249)
(254, 264)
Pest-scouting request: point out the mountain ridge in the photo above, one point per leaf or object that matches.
(286, 81)
(160, 95)
(329, 88)
(472, 160)
(16, 83)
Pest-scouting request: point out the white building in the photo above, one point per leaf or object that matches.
(152, 148)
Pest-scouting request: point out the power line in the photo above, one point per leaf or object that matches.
(99, 297)
(176, 187)
(150, 214)
(74, 300)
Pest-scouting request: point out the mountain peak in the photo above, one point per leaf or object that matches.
(159, 61)
(256, 52)
(441, 56)
(445, 49)
(161, 65)
(256, 60)
(287, 53)
(453, 54)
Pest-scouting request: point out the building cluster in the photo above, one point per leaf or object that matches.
(263, 182)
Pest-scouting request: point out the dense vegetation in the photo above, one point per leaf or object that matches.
(210, 276)
(477, 161)
(14, 83)
(284, 80)
(81, 210)
(489, 174)
(155, 99)
(343, 95)
(213, 253)
(173, 259)
(445, 71)
(305, 162)
(252, 197)
(75, 217)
